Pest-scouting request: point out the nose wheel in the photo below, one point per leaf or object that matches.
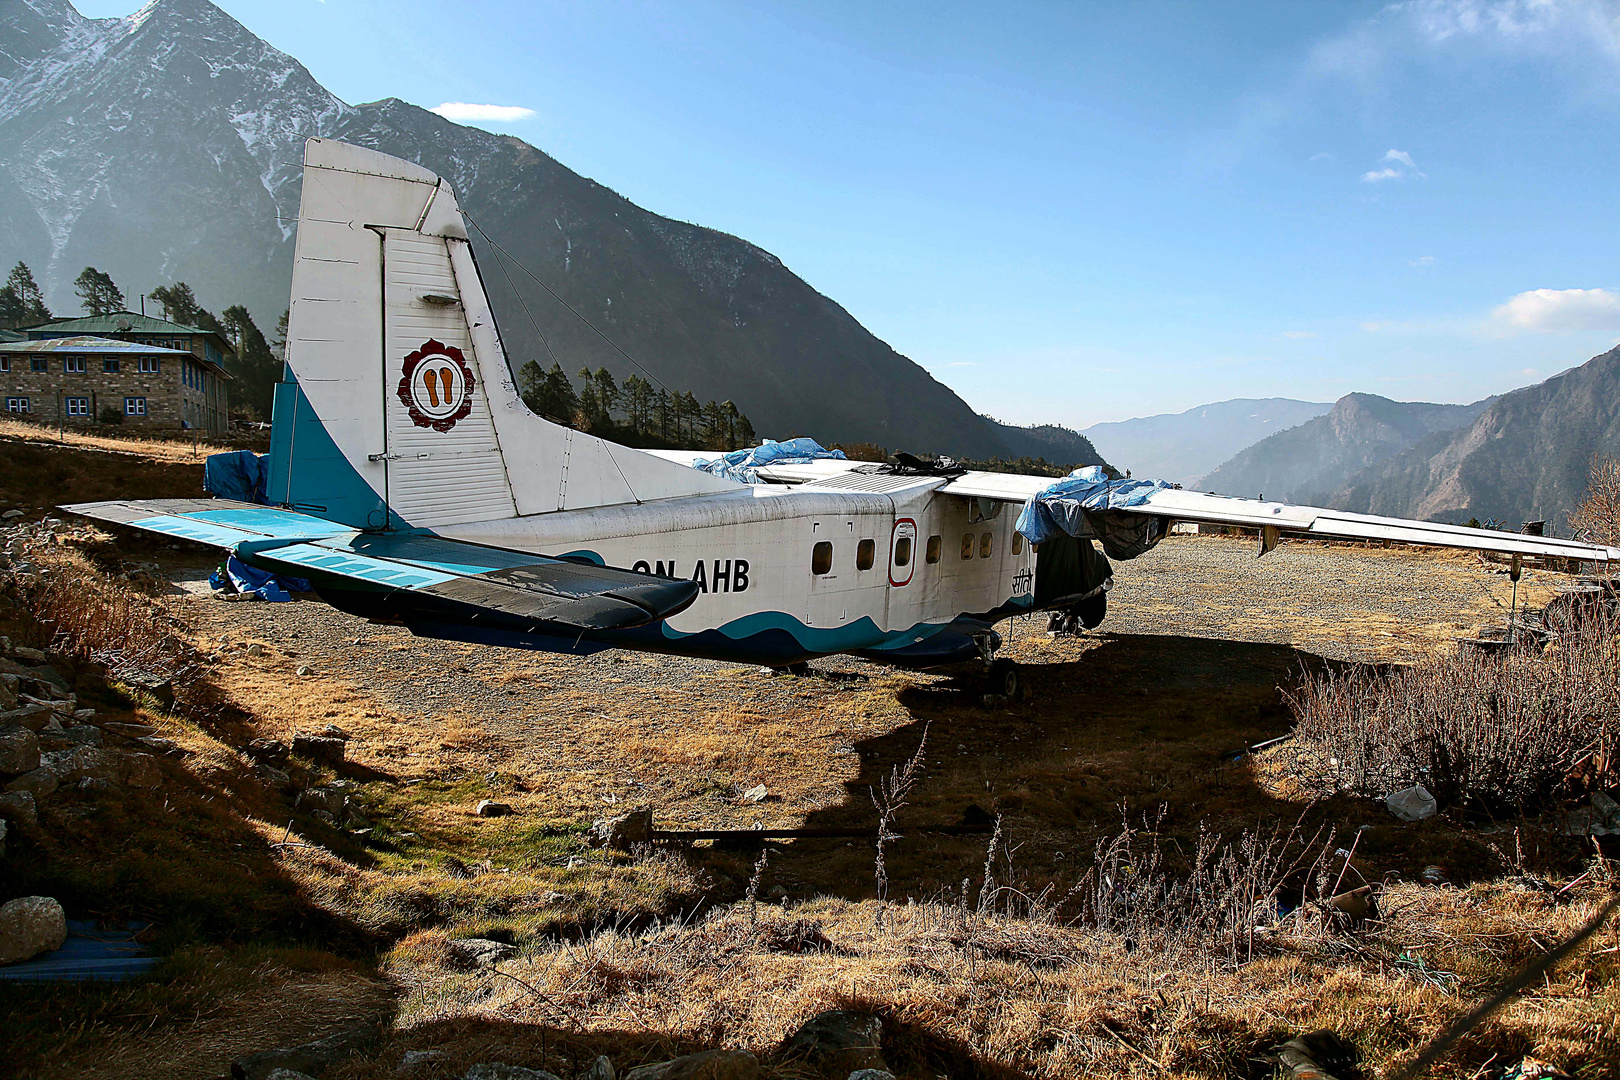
(1004, 679)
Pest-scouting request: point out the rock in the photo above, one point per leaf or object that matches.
(81, 762)
(481, 952)
(709, 1065)
(837, 1042)
(319, 748)
(871, 1074)
(140, 770)
(32, 717)
(506, 1072)
(133, 731)
(1412, 804)
(755, 794)
(601, 1069)
(23, 652)
(287, 1074)
(267, 751)
(332, 731)
(623, 832)
(314, 1058)
(329, 798)
(4, 829)
(30, 925)
(83, 734)
(19, 806)
(11, 515)
(166, 747)
(273, 776)
(303, 669)
(255, 649)
(19, 750)
(39, 784)
(491, 808)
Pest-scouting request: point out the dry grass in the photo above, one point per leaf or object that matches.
(154, 447)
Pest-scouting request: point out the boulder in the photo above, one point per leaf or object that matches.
(1412, 804)
(29, 926)
(39, 784)
(601, 1069)
(314, 1057)
(140, 770)
(491, 808)
(267, 751)
(81, 762)
(32, 717)
(19, 750)
(4, 829)
(623, 832)
(709, 1065)
(134, 731)
(83, 734)
(288, 1074)
(871, 1074)
(480, 952)
(19, 806)
(23, 652)
(326, 798)
(837, 1043)
(495, 1071)
(319, 748)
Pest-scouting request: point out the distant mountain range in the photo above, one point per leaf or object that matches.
(164, 146)
(1308, 463)
(1183, 447)
(1524, 457)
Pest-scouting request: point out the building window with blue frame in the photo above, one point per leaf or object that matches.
(5, 364)
(39, 363)
(109, 365)
(78, 406)
(149, 365)
(73, 365)
(16, 404)
(134, 406)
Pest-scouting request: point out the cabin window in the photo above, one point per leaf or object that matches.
(967, 545)
(149, 365)
(934, 545)
(73, 365)
(109, 365)
(984, 545)
(1018, 543)
(5, 363)
(821, 558)
(134, 406)
(865, 554)
(78, 406)
(16, 404)
(902, 551)
(39, 363)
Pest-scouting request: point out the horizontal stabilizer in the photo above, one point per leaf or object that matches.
(449, 578)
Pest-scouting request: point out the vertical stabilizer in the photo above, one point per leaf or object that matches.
(399, 409)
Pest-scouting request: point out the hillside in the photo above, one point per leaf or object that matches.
(1320, 455)
(1181, 447)
(164, 146)
(1525, 457)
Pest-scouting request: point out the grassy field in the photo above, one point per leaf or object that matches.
(1114, 926)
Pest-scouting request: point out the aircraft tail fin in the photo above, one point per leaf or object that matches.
(398, 408)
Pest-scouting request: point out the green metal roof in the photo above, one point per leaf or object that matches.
(12, 335)
(85, 343)
(126, 322)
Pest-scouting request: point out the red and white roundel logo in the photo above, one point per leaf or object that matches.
(436, 386)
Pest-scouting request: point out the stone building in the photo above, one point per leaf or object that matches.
(87, 380)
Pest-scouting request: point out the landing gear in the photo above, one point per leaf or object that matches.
(1004, 680)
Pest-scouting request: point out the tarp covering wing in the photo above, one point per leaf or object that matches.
(412, 574)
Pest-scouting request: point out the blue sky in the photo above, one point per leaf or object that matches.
(1079, 212)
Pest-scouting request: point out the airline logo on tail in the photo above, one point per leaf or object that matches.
(436, 386)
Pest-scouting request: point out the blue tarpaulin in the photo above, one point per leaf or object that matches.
(238, 576)
(240, 475)
(1083, 504)
(741, 465)
(87, 953)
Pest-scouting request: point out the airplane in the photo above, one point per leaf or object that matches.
(410, 484)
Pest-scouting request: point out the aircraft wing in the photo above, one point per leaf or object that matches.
(467, 577)
(1275, 517)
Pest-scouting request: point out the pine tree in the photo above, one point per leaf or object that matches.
(180, 305)
(687, 414)
(663, 412)
(255, 366)
(714, 426)
(279, 345)
(21, 302)
(97, 292)
(745, 433)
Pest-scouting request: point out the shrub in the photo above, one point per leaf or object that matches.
(1503, 730)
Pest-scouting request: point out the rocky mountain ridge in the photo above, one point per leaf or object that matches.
(162, 146)
(1182, 447)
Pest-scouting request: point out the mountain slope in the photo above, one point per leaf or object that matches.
(1523, 458)
(1182, 447)
(163, 145)
(1301, 464)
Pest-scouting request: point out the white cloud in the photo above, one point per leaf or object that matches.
(1397, 163)
(1559, 311)
(1422, 260)
(464, 112)
(1299, 333)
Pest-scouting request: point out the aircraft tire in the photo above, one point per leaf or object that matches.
(1005, 679)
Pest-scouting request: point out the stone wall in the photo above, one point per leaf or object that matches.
(46, 390)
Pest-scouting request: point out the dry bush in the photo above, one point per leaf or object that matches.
(1502, 730)
(1597, 516)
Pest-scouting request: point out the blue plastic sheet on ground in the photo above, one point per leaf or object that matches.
(239, 475)
(240, 577)
(743, 465)
(87, 953)
(1085, 504)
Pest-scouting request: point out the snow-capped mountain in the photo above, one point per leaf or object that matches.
(163, 146)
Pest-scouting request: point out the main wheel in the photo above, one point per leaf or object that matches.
(1005, 679)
